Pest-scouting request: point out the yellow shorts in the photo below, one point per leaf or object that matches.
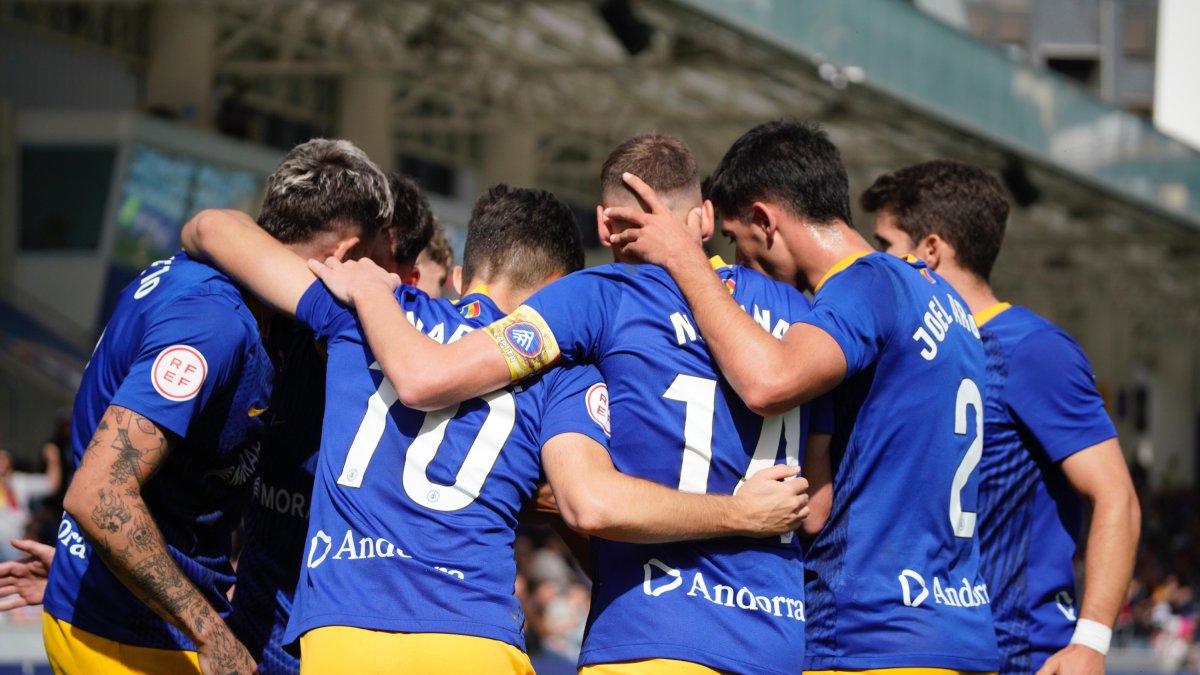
(648, 667)
(72, 650)
(342, 649)
(895, 671)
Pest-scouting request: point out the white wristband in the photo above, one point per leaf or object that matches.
(1092, 634)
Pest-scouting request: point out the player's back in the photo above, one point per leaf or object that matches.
(736, 603)
(183, 350)
(896, 580)
(1041, 407)
(413, 514)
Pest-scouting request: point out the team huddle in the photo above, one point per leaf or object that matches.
(889, 477)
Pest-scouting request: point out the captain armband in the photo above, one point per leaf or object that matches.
(526, 342)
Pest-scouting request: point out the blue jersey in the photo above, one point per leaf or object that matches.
(276, 521)
(1042, 407)
(896, 569)
(182, 350)
(413, 514)
(734, 603)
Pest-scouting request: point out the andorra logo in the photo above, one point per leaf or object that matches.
(671, 573)
(323, 538)
(906, 589)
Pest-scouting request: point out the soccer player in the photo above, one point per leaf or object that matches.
(436, 264)
(733, 604)
(413, 514)
(162, 437)
(896, 579)
(276, 521)
(1047, 439)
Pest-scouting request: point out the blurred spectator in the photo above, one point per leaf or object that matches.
(20, 494)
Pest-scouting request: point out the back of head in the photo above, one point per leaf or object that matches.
(412, 220)
(438, 250)
(664, 162)
(789, 163)
(521, 235)
(961, 203)
(325, 185)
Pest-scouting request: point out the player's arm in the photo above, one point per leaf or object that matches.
(23, 581)
(1100, 475)
(817, 468)
(596, 499)
(771, 376)
(105, 499)
(232, 241)
(427, 375)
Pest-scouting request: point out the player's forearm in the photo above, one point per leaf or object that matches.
(641, 512)
(1111, 548)
(751, 359)
(427, 375)
(105, 501)
(232, 241)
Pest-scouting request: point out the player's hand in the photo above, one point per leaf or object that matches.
(23, 581)
(771, 504)
(1074, 660)
(223, 654)
(345, 279)
(658, 236)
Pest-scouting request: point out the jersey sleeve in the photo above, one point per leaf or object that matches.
(577, 402)
(857, 309)
(1052, 392)
(188, 352)
(569, 319)
(320, 311)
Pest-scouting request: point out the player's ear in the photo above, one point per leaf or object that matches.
(708, 220)
(344, 247)
(602, 229)
(411, 276)
(456, 279)
(932, 250)
(764, 218)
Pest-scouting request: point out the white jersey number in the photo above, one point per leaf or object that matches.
(481, 456)
(963, 522)
(699, 396)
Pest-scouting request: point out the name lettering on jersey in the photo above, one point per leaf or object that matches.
(914, 591)
(438, 332)
(179, 372)
(661, 578)
(74, 542)
(246, 467)
(281, 501)
(937, 323)
(454, 573)
(150, 279)
(352, 547)
(685, 332)
(597, 406)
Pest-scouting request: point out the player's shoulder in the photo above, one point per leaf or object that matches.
(1019, 327)
(180, 278)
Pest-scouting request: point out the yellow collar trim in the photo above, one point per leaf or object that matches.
(841, 265)
(481, 289)
(717, 263)
(990, 313)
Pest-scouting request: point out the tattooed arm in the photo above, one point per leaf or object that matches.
(105, 499)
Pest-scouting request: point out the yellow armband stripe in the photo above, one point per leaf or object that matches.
(526, 342)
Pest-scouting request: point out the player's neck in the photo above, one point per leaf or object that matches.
(501, 292)
(977, 292)
(824, 246)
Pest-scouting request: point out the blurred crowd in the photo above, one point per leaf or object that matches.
(1160, 615)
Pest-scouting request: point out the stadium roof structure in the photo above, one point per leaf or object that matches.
(1109, 223)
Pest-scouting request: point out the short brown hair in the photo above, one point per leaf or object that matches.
(960, 203)
(664, 162)
(411, 228)
(438, 249)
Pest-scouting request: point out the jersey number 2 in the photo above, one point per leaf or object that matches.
(968, 396)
